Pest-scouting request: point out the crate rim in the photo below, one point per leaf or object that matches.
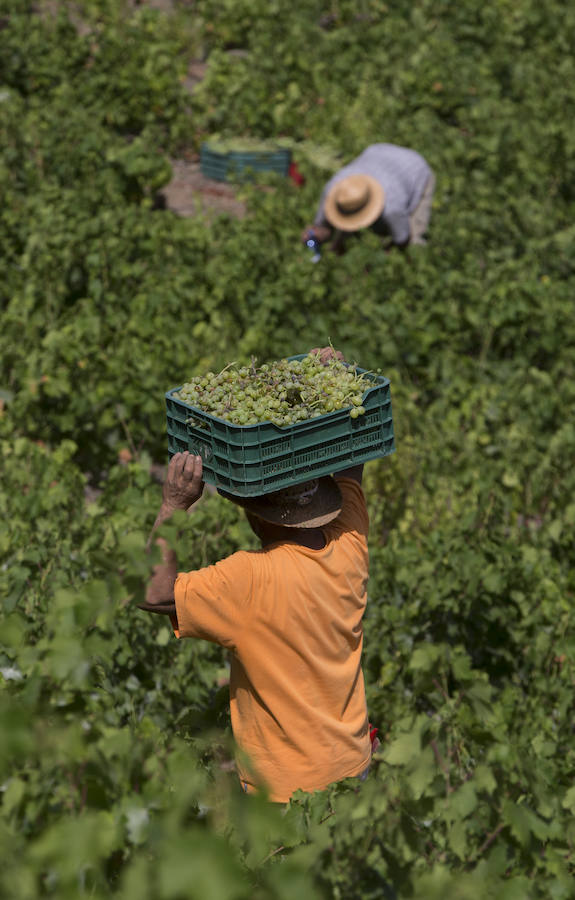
(381, 381)
(286, 151)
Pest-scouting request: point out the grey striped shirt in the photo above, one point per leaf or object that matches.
(402, 173)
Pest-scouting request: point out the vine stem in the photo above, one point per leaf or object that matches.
(442, 765)
(225, 369)
(272, 854)
(441, 690)
(489, 840)
(127, 431)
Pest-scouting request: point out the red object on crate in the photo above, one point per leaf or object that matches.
(295, 174)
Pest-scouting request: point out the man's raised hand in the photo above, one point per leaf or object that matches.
(184, 484)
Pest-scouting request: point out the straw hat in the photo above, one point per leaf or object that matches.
(308, 505)
(354, 202)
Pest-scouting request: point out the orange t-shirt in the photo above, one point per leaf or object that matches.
(292, 618)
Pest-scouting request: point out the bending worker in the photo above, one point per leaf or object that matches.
(386, 188)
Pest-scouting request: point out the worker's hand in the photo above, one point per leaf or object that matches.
(183, 484)
(326, 354)
(321, 233)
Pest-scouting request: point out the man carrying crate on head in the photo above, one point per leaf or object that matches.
(291, 615)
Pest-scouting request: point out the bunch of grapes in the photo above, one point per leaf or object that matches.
(283, 392)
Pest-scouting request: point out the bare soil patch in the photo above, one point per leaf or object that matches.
(190, 193)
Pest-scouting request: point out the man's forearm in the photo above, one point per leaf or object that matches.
(162, 609)
(182, 488)
(160, 590)
(165, 513)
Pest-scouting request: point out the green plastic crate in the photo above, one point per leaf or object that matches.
(255, 459)
(235, 164)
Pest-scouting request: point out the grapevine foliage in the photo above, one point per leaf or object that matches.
(115, 755)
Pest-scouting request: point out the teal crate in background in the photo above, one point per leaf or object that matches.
(237, 164)
(247, 460)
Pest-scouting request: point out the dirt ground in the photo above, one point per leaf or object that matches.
(189, 192)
